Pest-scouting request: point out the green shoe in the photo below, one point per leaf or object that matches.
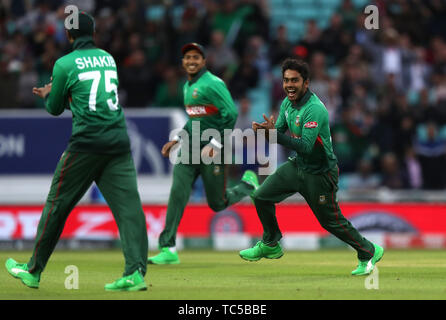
(367, 266)
(20, 271)
(164, 257)
(261, 250)
(133, 282)
(250, 178)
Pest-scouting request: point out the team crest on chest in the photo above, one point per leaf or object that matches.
(297, 123)
(322, 199)
(217, 170)
(195, 93)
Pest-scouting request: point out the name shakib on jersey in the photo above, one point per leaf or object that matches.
(200, 111)
(93, 62)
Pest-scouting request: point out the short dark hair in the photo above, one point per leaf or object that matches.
(296, 65)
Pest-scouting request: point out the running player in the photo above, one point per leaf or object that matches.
(313, 172)
(209, 104)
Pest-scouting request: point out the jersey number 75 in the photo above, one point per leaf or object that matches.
(110, 87)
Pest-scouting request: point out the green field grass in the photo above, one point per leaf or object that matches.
(212, 275)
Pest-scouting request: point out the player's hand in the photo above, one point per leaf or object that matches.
(269, 122)
(256, 125)
(208, 152)
(43, 91)
(166, 148)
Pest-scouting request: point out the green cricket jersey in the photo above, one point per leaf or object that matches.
(307, 121)
(208, 101)
(86, 82)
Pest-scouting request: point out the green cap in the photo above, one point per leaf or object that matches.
(193, 46)
(86, 26)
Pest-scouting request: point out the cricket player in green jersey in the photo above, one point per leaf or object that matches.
(209, 106)
(85, 81)
(313, 172)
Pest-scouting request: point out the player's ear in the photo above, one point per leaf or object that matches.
(69, 36)
(306, 83)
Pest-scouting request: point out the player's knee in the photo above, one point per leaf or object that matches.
(258, 198)
(217, 205)
(331, 225)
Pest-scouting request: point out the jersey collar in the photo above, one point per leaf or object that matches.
(197, 76)
(302, 100)
(84, 42)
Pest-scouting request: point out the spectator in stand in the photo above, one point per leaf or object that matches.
(170, 91)
(320, 81)
(364, 179)
(349, 140)
(425, 110)
(333, 102)
(27, 81)
(431, 151)
(245, 77)
(413, 170)
(419, 71)
(221, 59)
(348, 12)
(393, 177)
(280, 47)
(334, 40)
(311, 39)
(136, 79)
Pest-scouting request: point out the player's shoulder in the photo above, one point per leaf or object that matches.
(66, 59)
(316, 104)
(286, 103)
(212, 78)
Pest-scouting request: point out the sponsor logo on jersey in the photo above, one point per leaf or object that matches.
(200, 111)
(311, 124)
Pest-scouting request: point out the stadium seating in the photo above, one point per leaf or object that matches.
(294, 14)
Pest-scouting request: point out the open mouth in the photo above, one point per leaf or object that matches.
(292, 93)
(192, 67)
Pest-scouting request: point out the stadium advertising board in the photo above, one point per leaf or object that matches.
(32, 143)
(403, 225)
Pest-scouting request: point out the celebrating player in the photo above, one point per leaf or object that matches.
(85, 81)
(209, 104)
(313, 172)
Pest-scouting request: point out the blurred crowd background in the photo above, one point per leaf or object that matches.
(385, 89)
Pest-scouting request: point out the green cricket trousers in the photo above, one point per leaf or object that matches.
(115, 177)
(319, 191)
(218, 196)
